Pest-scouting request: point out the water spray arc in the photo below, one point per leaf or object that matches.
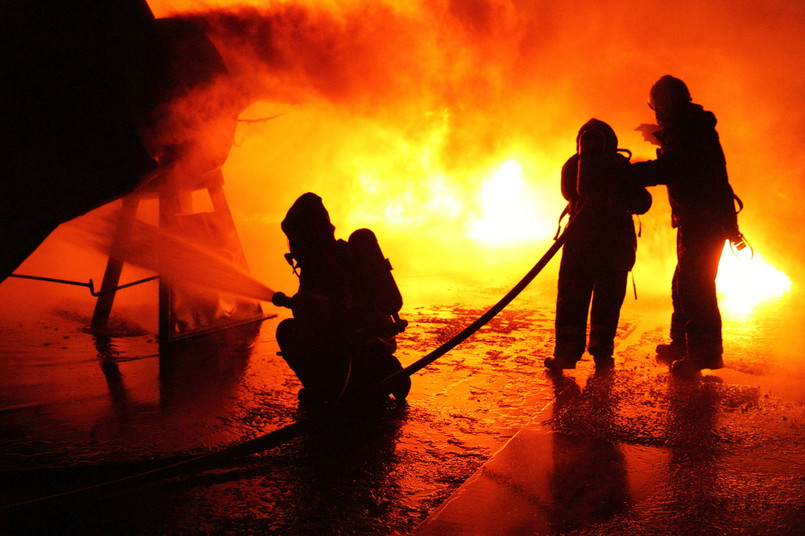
(282, 435)
(139, 107)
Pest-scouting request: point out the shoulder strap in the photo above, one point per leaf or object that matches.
(564, 213)
(740, 203)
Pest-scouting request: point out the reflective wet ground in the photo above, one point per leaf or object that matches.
(487, 444)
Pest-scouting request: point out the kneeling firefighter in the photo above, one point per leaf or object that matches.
(600, 251)
(341, 339)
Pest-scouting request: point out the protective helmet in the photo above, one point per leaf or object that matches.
(610, 139)
(668, 93)
(307, 223)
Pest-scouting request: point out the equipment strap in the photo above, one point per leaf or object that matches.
(740, 203)
(564, 213)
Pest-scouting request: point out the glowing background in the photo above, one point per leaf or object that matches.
(442, 125)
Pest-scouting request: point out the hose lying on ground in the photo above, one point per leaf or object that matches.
(291, 431)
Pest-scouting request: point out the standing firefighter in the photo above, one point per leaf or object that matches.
(341, 339)
(599, 251)
(691, 164)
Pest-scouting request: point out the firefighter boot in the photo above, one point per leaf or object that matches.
(685, 368)
(668, 353)
(706, 355)
(699, 356)
(603, 362)
(557, 363)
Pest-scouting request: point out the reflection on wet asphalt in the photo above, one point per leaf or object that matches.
(632, 452)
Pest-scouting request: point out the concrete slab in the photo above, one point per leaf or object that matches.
(709, 456)
(542, 481)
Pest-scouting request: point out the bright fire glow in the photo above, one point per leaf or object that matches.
(745, 281)
(510, 215)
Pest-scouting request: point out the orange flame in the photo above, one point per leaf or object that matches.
(745, 281)
(512, 214)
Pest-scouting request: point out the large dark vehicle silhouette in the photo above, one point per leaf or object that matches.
(98, 100)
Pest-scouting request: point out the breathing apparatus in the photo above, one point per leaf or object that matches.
(374, 269)
(595, 141)
(307, 225)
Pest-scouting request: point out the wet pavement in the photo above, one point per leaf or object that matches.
(637, 452)
(487, 444)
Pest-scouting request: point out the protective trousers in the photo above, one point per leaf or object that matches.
(696, 319)
(319, 359)
(586, 277)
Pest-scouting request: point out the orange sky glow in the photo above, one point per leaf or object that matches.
(443, 125)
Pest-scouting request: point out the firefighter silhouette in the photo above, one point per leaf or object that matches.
(691, 164)
(341, 339)
(600, 249)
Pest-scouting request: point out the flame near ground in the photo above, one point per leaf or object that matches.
(442, 125)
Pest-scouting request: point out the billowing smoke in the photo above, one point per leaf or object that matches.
(399, 113)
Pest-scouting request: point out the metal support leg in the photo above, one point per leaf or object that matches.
(111, 277)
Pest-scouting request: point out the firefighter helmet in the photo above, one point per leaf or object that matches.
(307, 224)
(607, 136)
(668, 93)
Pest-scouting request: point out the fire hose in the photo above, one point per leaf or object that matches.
(282, 435)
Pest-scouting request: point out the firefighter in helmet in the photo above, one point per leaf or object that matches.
(341, 339)
(691, 164)
(599, 250)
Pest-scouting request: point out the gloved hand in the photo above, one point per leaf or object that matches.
(648, 131)
(280, 299)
